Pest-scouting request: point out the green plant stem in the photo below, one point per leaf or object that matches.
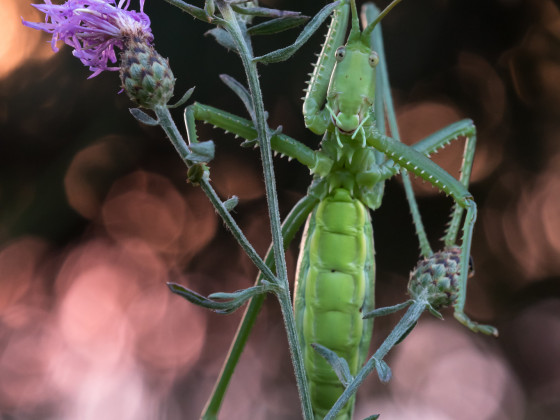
(168, 125)
(262, 135)
(405, 324)
(290, 227)
(250, 66)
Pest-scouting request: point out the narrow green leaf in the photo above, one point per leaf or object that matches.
(387, 310)
(285, 53)
(183, 100)
(383, 371)
(262, 11)
(244, 294)
(196, 298)
(231, 203)
(223, 38)
(202, 152)
(434, 311)
(277, 25)
(237, 299)
(209, 7)
(240, 90)
(373, 417)
(194, 11)
(488, 330)
(339, 364)
(239, 295)
(142, 117)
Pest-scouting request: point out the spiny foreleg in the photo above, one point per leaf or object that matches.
(316, 116)
(316, 161)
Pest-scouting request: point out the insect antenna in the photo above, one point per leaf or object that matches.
(367, 31)
(355, 30)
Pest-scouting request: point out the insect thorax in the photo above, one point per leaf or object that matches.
(355, 168)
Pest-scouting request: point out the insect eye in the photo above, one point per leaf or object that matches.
(373, 59)
(339, 54)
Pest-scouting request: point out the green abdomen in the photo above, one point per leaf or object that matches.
(333, 287)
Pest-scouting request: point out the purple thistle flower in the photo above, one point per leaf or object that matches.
(94, 28)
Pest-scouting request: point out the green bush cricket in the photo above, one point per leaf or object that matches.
(348, 101)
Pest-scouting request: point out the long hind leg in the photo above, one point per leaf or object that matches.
(385, 112)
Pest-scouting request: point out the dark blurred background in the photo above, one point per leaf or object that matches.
(95, 217)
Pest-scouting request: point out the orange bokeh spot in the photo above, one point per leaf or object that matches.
(147, 207)
(18, 42)
(18, 268)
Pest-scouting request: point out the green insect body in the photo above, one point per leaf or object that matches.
(334, 284)
(335, 276)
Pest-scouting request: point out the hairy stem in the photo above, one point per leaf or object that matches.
(245, 52)
(408, 320)
(291, 225)
(168, 125)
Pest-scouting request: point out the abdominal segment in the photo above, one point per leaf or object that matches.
(334, 285)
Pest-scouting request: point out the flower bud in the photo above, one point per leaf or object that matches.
(145, 75)
(437, 278)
